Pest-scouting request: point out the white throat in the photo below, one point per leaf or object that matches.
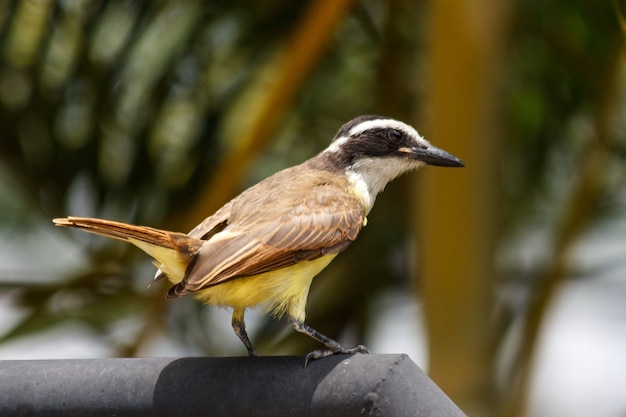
(369, 176)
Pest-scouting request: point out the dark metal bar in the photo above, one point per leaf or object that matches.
(341, 385)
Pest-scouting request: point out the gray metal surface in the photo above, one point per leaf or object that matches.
(342, 385)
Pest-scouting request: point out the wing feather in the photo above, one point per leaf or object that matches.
(274, 234)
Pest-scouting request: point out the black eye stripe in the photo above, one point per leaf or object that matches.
(395, 135)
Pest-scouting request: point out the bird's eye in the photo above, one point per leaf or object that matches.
(395, 136)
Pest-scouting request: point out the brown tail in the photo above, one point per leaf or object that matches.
(172, 250)
(123, 231)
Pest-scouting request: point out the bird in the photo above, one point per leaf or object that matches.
(265, 246)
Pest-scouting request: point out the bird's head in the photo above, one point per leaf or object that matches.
(373, 150)
(378, 137)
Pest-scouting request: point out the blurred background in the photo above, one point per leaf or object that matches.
(505, 280)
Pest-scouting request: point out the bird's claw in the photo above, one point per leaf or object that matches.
(322, 353)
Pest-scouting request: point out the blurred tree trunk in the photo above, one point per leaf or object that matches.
(458, 208)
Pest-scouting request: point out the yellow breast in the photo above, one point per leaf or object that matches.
(283, 291)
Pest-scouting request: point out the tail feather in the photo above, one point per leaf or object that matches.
(172, 250)
(116, 230)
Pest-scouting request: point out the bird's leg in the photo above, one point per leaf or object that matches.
(332, 347)
(239, 326)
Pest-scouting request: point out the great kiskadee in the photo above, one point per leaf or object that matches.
(265, 246)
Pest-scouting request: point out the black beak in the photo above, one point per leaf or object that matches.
(436, 157)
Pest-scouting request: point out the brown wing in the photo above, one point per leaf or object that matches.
(268, 233)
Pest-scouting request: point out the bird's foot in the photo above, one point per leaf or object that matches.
(322, 353)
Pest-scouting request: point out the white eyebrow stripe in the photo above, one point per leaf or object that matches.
(336, 144)
(385, 124)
